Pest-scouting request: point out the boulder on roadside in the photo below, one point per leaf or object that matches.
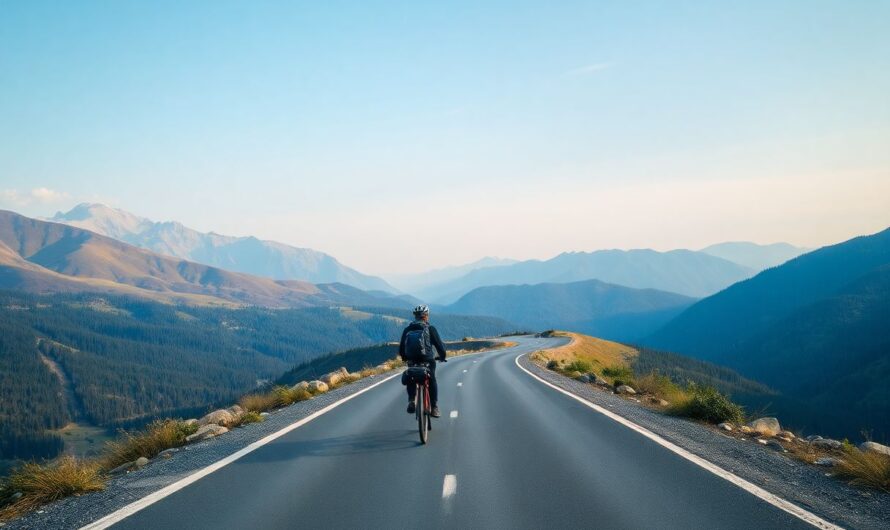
(874, 447)
(236, 410)
(205, 432)
(787, 435)
(218, 417)
(600, 381)
(625, 389)
(584, 378)
(774, 444)
(726, 426)
(302, 385)
(335, 377)
(574, 375)
(141, 462)
(317, 387)
(826, 443)
(766, 426)
(744, 429)
(123, 468)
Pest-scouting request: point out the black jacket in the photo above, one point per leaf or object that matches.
(434, 338)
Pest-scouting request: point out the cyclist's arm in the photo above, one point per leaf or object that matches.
(402, 343)
(437, 342)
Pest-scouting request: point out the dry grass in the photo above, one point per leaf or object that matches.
(154, 438)
(661, 387)
(598, 352)
(259, 402)
(864, 468)
(40, 484)
(248, 417)
(287, 395)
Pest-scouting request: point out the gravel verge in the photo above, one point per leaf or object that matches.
(74, 512)
(805, 485)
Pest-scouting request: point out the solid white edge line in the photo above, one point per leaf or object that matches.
(449, 486)
(753, 489)
(152, 498)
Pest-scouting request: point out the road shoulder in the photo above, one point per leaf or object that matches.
(804, 485)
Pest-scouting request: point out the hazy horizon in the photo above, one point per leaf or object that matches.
(512, 129)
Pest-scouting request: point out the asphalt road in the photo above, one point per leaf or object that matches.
(517, 455)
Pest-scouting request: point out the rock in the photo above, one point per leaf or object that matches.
(17, 495)
(574, 375)
(813, 437)
(317, 387)
(302, 385)
(726, 426)
(205, 432)
(236, 410)
(874, 447)
(335, 377)
(191, 421)
(766, 426)
(788, 435)
(218, 417)
(584, 378)
(264, 414)
(600, 381)
(624, 389)
(827, 461)
(744, 429)
(141, 462)
(774, 444)
(663, 403)
(761, 441)
(167, 453)
(826, 443)
(123, 468)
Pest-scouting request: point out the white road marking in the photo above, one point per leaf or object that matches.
(476, 361)
(148, 500)
(449, 486)
(460, 384)
(453, 413)
(465, 371)
(753, 489)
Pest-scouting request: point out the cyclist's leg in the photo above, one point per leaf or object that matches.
(434, 386)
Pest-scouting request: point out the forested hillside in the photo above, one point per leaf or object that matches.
(815, 329)
(130, 360)
(593, 307)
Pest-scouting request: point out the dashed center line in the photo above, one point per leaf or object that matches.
(460, 384)
(465, 371)
(449, 486)
(453, 413)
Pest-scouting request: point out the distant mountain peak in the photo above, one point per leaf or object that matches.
(248, 254)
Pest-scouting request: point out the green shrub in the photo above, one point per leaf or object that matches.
(707, 404)
(553, 365)
(579, 365)
(619, 372)
(249, 417)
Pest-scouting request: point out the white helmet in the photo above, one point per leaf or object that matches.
(422, 310)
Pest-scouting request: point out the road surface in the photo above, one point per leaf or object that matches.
(508, 452)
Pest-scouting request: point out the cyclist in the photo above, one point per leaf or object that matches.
(421, 324)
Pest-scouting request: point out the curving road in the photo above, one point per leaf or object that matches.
(518, 454)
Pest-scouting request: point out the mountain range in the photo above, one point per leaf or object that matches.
(249, 255)
(686, 272)
(418, 281)
(814, 328)
(597, 308)
(39, 256)
(754, 256)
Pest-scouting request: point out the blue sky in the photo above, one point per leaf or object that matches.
(519, 129)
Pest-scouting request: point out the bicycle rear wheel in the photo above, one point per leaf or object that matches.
(422, 414)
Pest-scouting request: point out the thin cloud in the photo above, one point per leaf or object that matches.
(42, 195)
(588, 69)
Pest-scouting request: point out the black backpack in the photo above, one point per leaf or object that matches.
(418, 346)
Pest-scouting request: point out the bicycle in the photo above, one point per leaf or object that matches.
(420, 378)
